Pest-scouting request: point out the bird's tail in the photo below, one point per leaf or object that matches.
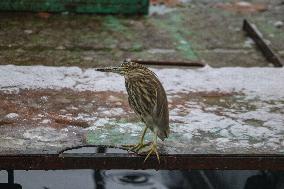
(164, 133)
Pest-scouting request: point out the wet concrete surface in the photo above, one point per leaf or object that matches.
(209, 31)
(48, 120)
(48, 127)
(48, 109)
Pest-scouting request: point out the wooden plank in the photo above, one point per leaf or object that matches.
(268, 53)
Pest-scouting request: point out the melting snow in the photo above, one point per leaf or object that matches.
(12, 116)
(254, 121)
(44, 134)
(265, 83)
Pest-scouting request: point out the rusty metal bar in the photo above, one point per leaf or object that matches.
(268, 53)
(132, 161)
(169, 63)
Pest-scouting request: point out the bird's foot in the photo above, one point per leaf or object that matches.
(136, 147)
(153, 149)
(139, 146)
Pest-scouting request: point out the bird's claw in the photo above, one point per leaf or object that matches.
(152, 150)
(137, 147)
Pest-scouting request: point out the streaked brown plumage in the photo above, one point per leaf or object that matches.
(147, 97)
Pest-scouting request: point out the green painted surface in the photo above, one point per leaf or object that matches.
(78, 6)
(117, 28)
(184, 33)
(175, 26)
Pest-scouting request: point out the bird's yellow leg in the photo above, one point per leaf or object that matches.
(141, 144)
(153, 149)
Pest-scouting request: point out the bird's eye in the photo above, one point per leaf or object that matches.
(125, 63)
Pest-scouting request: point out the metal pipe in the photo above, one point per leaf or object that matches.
(169, 63)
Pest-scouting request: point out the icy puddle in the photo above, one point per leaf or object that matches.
(225, 110)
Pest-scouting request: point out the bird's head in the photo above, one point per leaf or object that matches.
(124, 68)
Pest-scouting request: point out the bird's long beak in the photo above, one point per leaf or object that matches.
(110, 69)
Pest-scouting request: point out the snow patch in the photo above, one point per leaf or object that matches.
(12, 116)
(44, 134)
(265, 83)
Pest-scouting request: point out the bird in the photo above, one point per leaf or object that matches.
(148, 99)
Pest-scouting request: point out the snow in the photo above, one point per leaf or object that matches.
(45, 134)
(265, 83)
(12, 116)
(253, 120)
(46, 121)
(111, 112)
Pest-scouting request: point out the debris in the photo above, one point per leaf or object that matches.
(46, 121)
(249, 43)
(70, 121)
(242, 7)
(160, 10)
(12, 116)
(161, 51)
(113, 99)
(170, 3)
(278, 24)
(44, 15)
(88, 58)
(60, 47)
(160, 7)
(28, 31)
(5, 122)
